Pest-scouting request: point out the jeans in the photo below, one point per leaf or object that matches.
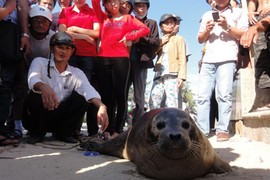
(219, 76)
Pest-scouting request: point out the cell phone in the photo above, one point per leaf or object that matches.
(215, 15)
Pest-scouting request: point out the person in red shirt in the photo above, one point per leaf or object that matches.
(112, 66)
(80, 22)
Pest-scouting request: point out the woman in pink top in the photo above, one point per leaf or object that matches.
(112, 65)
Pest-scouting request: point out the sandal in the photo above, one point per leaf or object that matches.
(222, 136)
(17, 133)
(5, 141)
(11, 134)
(107, 135)
(78, 136)
(114, 135)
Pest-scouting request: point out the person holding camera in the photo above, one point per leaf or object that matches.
(220, 33)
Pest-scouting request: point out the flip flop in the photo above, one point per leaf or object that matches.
(6, 142)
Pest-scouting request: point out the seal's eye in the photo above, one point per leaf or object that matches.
(161, 125)
(185, 125)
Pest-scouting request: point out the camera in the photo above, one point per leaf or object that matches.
(215, 15)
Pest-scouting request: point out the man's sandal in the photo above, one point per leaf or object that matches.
(17, 134)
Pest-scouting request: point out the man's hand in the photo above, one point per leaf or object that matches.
(165, 39)
(102, 117)
(7, 8)
(126, 42)
(180, 83)
(249, 37)
(209, 26)
(90, 40)
(252, 17)
(265, 11)
(175, 30)
(222, 21)
(25, 45)
(49, 98)
(203, 36)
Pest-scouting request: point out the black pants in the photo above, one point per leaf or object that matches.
(85, 63)
(262, 72)
(137, 77)
(111, 76)
(61, 121)
(7, 76)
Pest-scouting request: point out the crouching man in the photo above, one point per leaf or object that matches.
(59, 94)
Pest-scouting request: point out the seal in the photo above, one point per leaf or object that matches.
(164, 144)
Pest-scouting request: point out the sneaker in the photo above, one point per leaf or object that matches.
(68, 139)
(222, 136)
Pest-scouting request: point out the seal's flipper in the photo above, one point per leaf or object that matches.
(112, 147)
(220, 166)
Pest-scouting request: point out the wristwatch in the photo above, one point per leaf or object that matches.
(229, 27)
(25, 35)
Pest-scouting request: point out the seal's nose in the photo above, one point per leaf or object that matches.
(175, 137)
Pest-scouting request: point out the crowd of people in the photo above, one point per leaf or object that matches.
(83, 60)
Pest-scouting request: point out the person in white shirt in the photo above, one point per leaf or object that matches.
(59, 94)
(221, 37)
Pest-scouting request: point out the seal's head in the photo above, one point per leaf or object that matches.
(173, 133)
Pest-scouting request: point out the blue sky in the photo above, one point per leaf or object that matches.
(191, 12)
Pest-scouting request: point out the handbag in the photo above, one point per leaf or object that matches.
(10, 43)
